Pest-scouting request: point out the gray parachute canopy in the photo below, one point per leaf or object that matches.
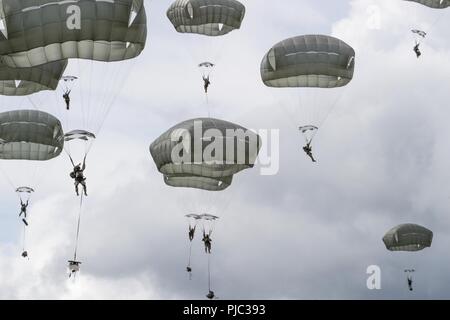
(204, 153)
(436, 4)
(41, 31)
(25, 81)
(408, 237)
(30, 135)
(308, 61)
(206, 17)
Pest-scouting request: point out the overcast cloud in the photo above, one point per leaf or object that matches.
(308, 232)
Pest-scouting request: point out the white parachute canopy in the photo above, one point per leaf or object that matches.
(206, 68)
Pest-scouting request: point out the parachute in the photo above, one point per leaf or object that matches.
(57, 30)
(193, 141)
(420, 35)
(408, 237)
(205, 23)
(435, 4)
(206, 17)
(111, 32)
(308, 61)
(208, 222)
(30, 135)
(203, 155)
(208, 217)
(107, 32)
(27, 135)
(25, 81)
(103, 37)
(317, 65)
(24, 193)
(409, 278)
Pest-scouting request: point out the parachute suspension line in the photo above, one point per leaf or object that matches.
(120, 81)
(24, 238)
(32, 103)
(213, 199)
(109, 99)
(291, 116)
(190, 253)
(336, 101)
(237, 185)
(21, 102)
(87, 149)
(90, 110)
(8, 179)
(78, 228)
(67, 151)
(436, 21)
(209, 272)
(36, 175)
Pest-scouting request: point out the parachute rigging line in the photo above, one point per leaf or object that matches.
(209, 272)
(189, 260)
(78, 228)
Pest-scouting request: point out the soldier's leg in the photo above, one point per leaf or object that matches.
(84, 187)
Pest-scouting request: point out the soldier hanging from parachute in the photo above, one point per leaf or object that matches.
(420, 35)
(315, 64)
(408, 238)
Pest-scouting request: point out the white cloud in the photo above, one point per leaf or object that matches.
(309, 232)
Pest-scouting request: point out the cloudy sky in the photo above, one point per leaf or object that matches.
(308, 232)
